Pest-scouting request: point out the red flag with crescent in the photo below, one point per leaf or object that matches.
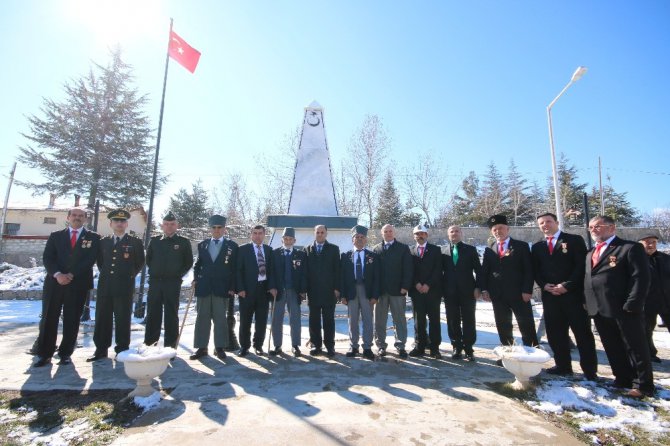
(182, 52)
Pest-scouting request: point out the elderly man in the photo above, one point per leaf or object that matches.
(462, 274)
(396, 281)
(214, 282)
(426, 294)
(616, 286)
(120, 258)
(558, 267)
(507, 281)
(291, 279)
(360, 290)
(68, 258)
(658, 299)
(323, 290)
(169, 257)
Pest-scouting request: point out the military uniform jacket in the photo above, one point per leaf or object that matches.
(169, 258)
(508, 277)
(427, 270)
(371, 275)
(215, 277)
(396, 268)
(461, 279)
(118, 265)
(323, 274)
(60, 256)
(619, 282)
(298, 269)
(565, 265)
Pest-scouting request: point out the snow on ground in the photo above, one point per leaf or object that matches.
(147, 403)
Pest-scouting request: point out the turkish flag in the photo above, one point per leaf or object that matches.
(183, 53)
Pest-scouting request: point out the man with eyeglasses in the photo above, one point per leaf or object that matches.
(616, 284)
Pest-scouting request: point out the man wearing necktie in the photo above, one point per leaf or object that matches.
(120, 258)
(68, 258)
(291, 281)
(616, 284)
(360, 290)
(214, 282)
(255, 283)
(558, 269)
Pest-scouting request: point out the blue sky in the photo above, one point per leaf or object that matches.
(470, 80)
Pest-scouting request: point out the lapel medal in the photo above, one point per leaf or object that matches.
(612, 261)
(564, 247)
(176, 246)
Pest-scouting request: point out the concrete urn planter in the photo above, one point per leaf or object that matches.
(143, 364)
(523, 362)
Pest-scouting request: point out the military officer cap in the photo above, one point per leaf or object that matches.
(217, 220)
(358, 229)
(420, 228)
(169, 216)
(289, 232)
(119, 214)
(496, 220)
(646, 236)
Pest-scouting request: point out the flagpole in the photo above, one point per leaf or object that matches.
(139, 304)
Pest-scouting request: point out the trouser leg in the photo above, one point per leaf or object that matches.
(381, 320)
(329, 326)
(219, 307)
(73, 306)
(503, 317)
(154, 319)
(278, 313)
(104, 317)
(203, 321)
(398, 304)
(523, 311)
(315, 326)
(123, 308)
(293, 304)
(354, 311)
(171, 309)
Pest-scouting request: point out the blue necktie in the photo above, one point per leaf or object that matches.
(288, 278)
(359, 267)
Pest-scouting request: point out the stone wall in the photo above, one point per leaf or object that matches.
(23, 251)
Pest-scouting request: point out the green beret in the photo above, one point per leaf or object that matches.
(358, 229)
(217, 220)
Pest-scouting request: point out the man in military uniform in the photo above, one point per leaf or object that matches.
(169, 257)
(120, 258)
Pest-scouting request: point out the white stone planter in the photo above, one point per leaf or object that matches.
(523, 362)
(143, 364)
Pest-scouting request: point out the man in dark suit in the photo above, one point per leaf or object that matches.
(323, 290)
(426, 294)
(255, 284)
(291, 280)
(396, 281)
(507, 281)
(616, 285)
(120, 258)
(462, 274)
(214, 282)
(68, 258)
(169, 257)
(658, 299)
(558, 268)
(360, 290)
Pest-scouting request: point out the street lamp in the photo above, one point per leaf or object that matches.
(579, 72)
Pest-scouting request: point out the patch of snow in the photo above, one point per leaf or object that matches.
(147, 403)
(146, 353)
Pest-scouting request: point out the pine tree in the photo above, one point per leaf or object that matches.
(463, 210)
(518, 199)
(389, 209)
(491, 197)
(617, 205)
(191, 208)
(571, 191)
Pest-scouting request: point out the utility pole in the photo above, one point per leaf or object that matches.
(4, 210)
(600, 179)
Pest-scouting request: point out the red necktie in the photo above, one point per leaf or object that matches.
(596, 254)
(550, 245)
(73, 239)
(421, 249)
(501, 249)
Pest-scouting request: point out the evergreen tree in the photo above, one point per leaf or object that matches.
(191, 208)
(96, 142)
(617, 205)
(491, 197)
(463, 209)
(518, 200)
(571, 191)
(389, 210)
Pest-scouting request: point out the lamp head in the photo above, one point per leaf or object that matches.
(579, 72)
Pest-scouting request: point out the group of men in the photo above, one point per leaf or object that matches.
(608, 284)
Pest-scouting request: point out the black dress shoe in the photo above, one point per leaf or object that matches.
(656, 359)
(622, 384)
(330, 353)
(96, 356)
(367, 354)
(470, 356)
(351, 353)
(243, 352)
(457, 354)
(259, 351)
(65, 360)
(42, 362)
(435, 354)
(555, 370)
(402, 353)
(220, 353)
(416, 353)
(199, 353)
(315, 352)
(275, 352)
(296, 351)
(499, 363)
(381, 352)
(591, 376)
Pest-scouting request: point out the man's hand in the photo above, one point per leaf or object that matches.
(486, 296)
(426, 288)
(302, 296)
(242, 294)
(418, 287)
(477, 294)
(344, 301)
(273, 291)
(403, 291)
(63, 279)
(526, 297)
(559, 289)
(373, 302)
(231, 293)
(337, 294)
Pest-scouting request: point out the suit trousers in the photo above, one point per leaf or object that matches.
(461, 322)
(211, 309)
(360, 307)
(317, 314)
(230, 318)
(562, 313)
(650, 324)
(254, 307)
(397, 305)
(627, 350)
(112, 311)
(69, 300)
(523, 311)
(427, 306)
(163, 298)
(287, 299)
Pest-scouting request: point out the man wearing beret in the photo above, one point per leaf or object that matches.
(169, 257)
(360, 290)
(658, 299)
(507, 281)
(290, 277)
(120, 258)
(214, 282)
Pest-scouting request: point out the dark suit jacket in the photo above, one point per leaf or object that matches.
(461, 279)
(619, 282)
(323, 274)
(118, 265)
(215, 277)
(298, 269)
(507, 277)
(396, 268)
(247, 269)
(60, 257)
(371, 275)
(427, 270)
(658, 299)
(565, 265)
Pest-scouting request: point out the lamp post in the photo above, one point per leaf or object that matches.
(579, 72)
